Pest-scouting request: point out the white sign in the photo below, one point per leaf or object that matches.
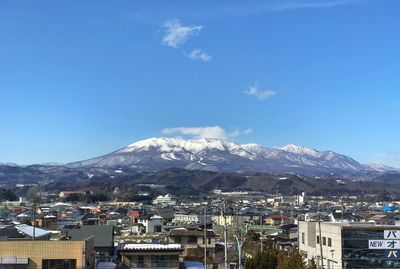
(391, 234)
(8, 260)
(384, 244)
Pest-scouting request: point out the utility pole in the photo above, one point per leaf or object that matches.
(239, 241)
(262, 231)
(212, 211)
(225, 237)
(34, 221)
(239, 247)
(341, 201)
(320, 240)
(205, 238)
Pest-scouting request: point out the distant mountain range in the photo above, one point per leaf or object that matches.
(156, 154)
(199, 166)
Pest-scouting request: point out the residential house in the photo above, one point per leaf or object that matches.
(143, 256)
(193, 240)
(152, 223)
(87, 219)
(276, 220)
(103, 239)
(345, 217)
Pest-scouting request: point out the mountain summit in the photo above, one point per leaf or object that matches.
(156, 154)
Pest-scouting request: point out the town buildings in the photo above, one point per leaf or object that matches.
(157, 256)
(45, 254)
(343, 245)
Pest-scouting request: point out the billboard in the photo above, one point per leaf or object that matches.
(390, 243)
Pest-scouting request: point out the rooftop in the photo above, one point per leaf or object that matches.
(151, 247)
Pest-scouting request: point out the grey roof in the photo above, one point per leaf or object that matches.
(22, 231)
(30, 230)
(103, 234)
(10, 232)
(86, 216)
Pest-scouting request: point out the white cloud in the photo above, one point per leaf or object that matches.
(198, 54)
(176, 33)
(287, 5)
(310, 4)
(260, 94)
(205, 132)
(237, 133)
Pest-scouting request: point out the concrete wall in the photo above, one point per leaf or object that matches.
(332, 254)
(36, 251)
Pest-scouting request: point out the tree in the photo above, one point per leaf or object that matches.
(33, 194)
(138, 198)
(295, 261)
(312, 264)
(7, 195)
(97, 197)
(75, 197)
(252, 243)
(263, 260)
(275, 259)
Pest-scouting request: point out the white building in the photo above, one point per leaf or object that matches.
(185, 218)
(301, 199)
(348, 245)
(151, 223)
(164, 200)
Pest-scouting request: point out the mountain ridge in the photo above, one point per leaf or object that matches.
(211, 154)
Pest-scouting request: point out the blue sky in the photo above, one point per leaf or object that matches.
(84, 78)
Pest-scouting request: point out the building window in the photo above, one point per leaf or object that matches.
(302, 238)
(140, 260)
(324, 241)
(58, 264)
(317, 239)
(209, 241)
(157, 261)
(192, 240)
(329, 242)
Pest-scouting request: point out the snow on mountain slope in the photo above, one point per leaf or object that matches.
(218, 155)
(382, 168)
(300, 150)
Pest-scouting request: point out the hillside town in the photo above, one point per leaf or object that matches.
(228, 134)
(217, 230)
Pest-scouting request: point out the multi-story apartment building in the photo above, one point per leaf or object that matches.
(350, 245)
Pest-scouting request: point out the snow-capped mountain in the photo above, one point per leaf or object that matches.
(382, 168)
(156, 154)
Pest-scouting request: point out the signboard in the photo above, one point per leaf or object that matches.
(384, 244)
(391, 234)
(392, 254)
(8, 260)
(390, 241)
(13, 260)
